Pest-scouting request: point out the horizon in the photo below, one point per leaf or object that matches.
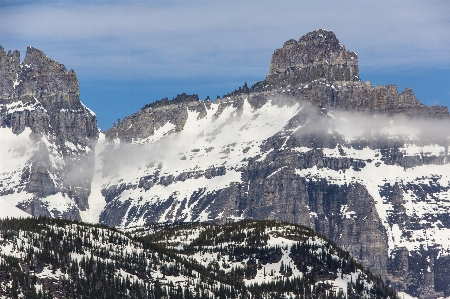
(127, 54)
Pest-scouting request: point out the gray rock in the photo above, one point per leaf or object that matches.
(42, 95)
(317, 55)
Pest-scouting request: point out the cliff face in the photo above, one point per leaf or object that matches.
(317, 55)
(318, 69)
(39, 103)
(139, 126)
(311, 144)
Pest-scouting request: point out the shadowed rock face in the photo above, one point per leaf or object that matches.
(40, 94)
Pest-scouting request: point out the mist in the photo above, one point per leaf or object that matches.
(205, 143)
(355, 125)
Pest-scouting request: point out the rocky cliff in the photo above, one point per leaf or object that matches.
(311, 144)
(50, 172)
(317, 55)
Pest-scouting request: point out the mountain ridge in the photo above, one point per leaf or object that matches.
(311, 144)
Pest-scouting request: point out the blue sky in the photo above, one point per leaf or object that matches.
(130, 53)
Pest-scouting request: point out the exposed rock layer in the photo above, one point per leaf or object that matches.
(317, 55)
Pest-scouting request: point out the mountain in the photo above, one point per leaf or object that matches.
(313, 145)
(47, 135)
(54, 258)
(365, 166)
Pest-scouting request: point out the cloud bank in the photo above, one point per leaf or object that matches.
(135, 39)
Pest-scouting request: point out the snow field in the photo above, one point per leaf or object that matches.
(96, 200)
(202, 144)
(15, 153)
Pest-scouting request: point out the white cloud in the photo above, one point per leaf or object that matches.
(195, 38)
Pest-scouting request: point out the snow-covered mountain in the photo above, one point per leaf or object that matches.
(311, 144)
(47, 138)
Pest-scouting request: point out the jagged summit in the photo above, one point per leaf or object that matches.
(179, 99)
(317, 55)
(40, 106)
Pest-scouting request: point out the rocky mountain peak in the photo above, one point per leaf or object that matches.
(321, 36)
(317, 55)
(45, 78)
(153, 116)
(40, 96)
(35, 56)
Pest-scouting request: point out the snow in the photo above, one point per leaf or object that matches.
(49, 273)
(341, 282)
(180, 190)
(70, 145)
(16, 81)
(96, 200)
(224, 141)
(15, 152)
(270, 272)
(58, 203)
(55, 155)
(429, 150)
(374, 177)
(9, 210)
(89, 110)
(158, 135)
(346, 213)
(403, 295)
(263, 273)
(362, 154)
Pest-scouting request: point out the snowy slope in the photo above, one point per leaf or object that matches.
(18, 152)
(377, 185)
(15, 152)
(225, 142)
(237, 136)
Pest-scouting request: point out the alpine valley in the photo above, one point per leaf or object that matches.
(266, 192)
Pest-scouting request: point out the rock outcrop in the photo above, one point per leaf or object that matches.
(317, 55)
(319, 69)
(41, 95)
(150, 118)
